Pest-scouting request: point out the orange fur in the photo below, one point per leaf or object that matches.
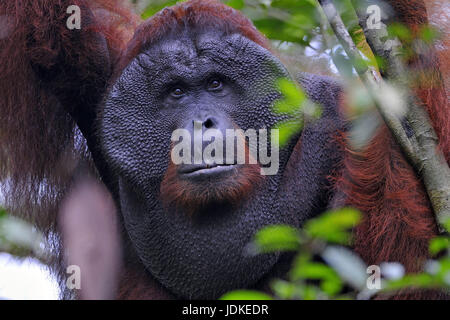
(190, 197)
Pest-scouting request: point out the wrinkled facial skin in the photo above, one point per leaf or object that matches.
(198, 256)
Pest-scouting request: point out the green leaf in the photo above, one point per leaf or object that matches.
(157, 5)
(332, 226)
(236, 4)
(245, 295)
(401, 31)
(446, 224)
(381, 62)
(276, 29)
(421, 280)
(332, 286)
(276, 238)
(292, 101)
(439, 244)
(304, 269)
(3, 212)
(18, 237)
(283, 289)
(287, 129)
(312, 270)
(309, 292)
(294, 5)
(444, 269)
(293, 97)
(429, 34)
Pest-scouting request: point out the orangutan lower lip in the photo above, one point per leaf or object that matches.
(201, 170)
(215, 172)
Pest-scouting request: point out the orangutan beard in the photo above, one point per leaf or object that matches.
(191, 196)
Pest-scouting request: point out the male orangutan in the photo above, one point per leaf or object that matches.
(111, 94)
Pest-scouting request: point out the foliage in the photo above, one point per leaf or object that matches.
(296, 106)
(308, 278)
(19, 238)
(323, 267)
(154, 6)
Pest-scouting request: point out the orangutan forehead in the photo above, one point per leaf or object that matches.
(190, 45)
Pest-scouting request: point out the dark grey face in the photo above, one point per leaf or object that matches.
(224, 81)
